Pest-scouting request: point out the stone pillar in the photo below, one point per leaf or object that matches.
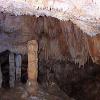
(32, 67)
(18, 61)
(0, 77)
(11, 69)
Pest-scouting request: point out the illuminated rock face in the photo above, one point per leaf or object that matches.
(94, 48)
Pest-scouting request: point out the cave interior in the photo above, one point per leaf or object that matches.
(45, 52)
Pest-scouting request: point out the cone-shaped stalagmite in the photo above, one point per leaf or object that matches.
(32, 67)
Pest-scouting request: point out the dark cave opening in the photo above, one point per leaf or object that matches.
(5, 74)
(24, 73)
(4, 62)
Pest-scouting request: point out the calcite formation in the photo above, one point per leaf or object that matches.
(11, 70)
(66, 53)
(94, 48)
(68, 39)
(18, 62)
(32, 67)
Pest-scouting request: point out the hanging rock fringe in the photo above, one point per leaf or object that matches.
(76, 42)
(56, 38)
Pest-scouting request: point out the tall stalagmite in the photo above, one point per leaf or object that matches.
(32, 67)
(18, 61)
(12, 69)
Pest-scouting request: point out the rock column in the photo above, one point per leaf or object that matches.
(32, 67)
(18, 66)
(11, 69)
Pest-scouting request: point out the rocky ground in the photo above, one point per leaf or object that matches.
(18, 93)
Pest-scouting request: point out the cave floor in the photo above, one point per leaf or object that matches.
(17, 92)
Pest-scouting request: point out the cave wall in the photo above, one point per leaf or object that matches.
(67, 55)
(72, 42)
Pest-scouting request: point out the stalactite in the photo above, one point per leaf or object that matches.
(50, 48)
(63, 46)
(76, 42)
(44, 45)
(55, 50)
(75, 45)
(38, 26)
(52, 27)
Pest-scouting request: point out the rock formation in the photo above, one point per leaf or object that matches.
(67, 55)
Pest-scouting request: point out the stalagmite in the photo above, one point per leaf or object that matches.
(32, 67)
(0, 77)
(11, 69)
(18, 66)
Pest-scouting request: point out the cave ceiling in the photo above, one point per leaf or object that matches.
(85, 13)
(75, 24)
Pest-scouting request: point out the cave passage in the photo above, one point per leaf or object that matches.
(16, 67)
(44, 51)
(13, 68)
